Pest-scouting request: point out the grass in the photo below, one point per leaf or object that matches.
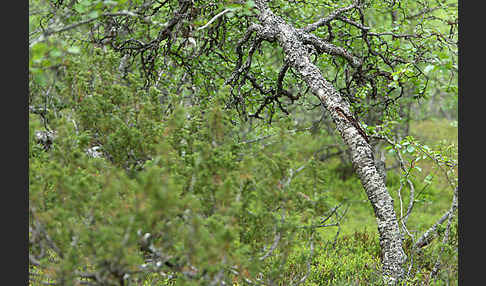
(435, 130)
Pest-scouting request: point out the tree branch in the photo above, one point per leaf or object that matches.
(330, 17)
(328, 48)
(429, 235)
(214, 19)
(49, 32)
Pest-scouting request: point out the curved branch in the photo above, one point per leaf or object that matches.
(324, 21)
(328, 48)
(214, 19)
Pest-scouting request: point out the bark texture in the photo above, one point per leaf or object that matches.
(295, 43)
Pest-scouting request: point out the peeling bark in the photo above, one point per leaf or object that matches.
(297, 56)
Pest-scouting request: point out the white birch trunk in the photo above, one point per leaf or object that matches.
(297, 56)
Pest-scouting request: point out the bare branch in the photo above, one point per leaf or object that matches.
(410, 202)
(276, 239)
(214, 19)
(311, 255)
(429, 10)
(354, 23)
(445, 240)
(329, 18)
(238, 69)
(393, 35)
(50, 32)
(328, 48)
(257, 139)
(427, 237)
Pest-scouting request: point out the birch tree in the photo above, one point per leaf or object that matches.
(293, 42)
(356, 60)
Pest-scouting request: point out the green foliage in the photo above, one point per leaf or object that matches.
(165, 180)
(206, 199)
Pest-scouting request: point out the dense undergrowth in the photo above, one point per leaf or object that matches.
(214, 197)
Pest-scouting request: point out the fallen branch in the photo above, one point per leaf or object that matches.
(430, 234)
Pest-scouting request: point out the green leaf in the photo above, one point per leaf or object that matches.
(250, 4)
(55, 53)
(80, 8)
(410, 149)
(428, 68)
(93, 14)
(74, 50)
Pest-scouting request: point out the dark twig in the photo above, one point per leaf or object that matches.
(324, 21)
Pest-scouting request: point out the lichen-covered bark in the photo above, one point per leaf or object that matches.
(292, 40)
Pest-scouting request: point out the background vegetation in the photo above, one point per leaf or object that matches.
(163, 179)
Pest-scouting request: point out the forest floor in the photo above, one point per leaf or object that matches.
(357, 246)
(432, 202)
(354, 257)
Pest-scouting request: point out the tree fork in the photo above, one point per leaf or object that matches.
(297, 56)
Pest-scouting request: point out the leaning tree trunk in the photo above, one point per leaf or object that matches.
(295, 45)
